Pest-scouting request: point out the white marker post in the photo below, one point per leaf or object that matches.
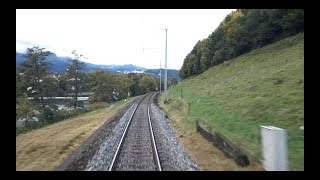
(275, 154)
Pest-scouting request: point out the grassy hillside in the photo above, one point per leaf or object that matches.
(262, 87)
(46, 148)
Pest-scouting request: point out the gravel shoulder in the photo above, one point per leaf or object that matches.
(172, 154)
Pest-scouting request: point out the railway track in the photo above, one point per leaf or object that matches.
(137, 148)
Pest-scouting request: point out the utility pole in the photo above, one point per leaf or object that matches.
(165, 74)
(160, 77)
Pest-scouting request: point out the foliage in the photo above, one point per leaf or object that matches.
(34, 71)
(240, 32)
(147, 84)
(95, 106)
(76, 77)
(21, 84)
(24, 108)
(123, 86)
(173, 82)
(100, 86)
(134, 88)
(33, 79)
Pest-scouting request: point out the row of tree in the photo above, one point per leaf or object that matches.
(33, 80)
(240, 32)
(112, 87)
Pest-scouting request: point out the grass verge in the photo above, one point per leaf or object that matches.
(47, 147)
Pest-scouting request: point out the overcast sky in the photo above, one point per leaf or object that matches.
(109, 36)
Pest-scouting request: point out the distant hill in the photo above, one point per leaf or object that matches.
(60, 64)
(171, 73)
(56, 64)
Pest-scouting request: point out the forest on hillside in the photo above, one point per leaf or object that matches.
(242, 31)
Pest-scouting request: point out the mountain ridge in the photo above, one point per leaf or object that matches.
(59, 65)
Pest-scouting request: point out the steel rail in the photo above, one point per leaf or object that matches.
(154, 142)
(122, 137)
(158, 164)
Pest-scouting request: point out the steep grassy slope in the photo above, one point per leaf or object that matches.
(262, 87)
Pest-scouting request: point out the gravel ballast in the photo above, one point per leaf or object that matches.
(102, 159)
(173, 156)
(98, 151)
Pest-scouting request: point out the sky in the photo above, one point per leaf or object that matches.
(118, 36)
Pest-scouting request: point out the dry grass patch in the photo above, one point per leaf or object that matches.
(210, 158)
(46, 148)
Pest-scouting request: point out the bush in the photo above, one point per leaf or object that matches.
(31, 125)
(48, 117)
(99, 105)
(66, 114)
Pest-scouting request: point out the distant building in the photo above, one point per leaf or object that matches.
(82, 94)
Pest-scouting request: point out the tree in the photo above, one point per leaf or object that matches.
(123, 86)
(173, 82)
(62, 85)
(75, 77)
(100, 86)
(196, 65)
(50, 86)
(147, 84)
(24, 108)
(134, 88)
(21, 84)
(190, 64)
(206, 57)
(34, 70)
(183, 73)
(293, 21)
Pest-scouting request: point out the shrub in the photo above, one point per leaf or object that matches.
(99, 105)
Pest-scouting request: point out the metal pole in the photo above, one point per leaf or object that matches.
(165, 74)
(160, 76)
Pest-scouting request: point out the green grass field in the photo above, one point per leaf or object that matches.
(262, 87)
